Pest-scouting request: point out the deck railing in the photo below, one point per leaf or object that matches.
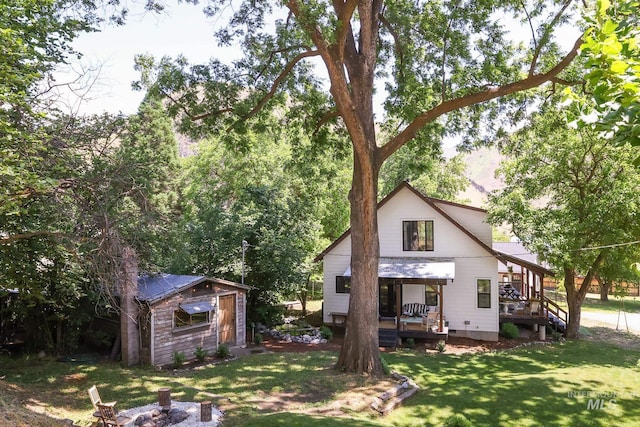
(553, 308)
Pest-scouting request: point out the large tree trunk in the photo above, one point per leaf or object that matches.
(574, 302)
(575, 297)
(605, 287)
(360, 352)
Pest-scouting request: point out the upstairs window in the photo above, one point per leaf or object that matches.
(417, 235)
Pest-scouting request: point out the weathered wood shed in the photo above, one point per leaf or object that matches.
(178, 314)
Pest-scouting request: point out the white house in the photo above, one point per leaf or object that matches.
(435, 257)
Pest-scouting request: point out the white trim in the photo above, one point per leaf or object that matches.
(151, 338)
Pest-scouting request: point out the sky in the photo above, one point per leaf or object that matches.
(182, 29)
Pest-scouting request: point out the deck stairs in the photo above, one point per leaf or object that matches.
(388, 337)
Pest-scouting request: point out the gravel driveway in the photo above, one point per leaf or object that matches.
(610, 320)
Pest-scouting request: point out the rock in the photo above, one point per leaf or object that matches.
(177, 416)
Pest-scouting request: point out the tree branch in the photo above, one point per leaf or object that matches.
(6, 240)
(396, 39)
(420, 121)
(545, 36)
(325, 119)
(285, 72)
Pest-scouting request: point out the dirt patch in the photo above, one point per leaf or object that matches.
(626, 340)
(453, 345)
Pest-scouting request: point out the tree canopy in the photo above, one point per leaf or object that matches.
(441, 68)
(572, 198)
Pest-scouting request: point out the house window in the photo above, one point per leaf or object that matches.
(431, 297)
(484, 293)
(343, 284)
(417, 235)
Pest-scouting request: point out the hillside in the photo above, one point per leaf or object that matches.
(481, 167)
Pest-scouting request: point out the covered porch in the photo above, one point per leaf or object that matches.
(411, 297)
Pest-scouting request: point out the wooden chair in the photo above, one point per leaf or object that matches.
(96, 400)
(110, 418)
(430, 320)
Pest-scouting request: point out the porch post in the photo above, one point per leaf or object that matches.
(440, 294)
(397, 285)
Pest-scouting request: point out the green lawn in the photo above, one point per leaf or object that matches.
(592, 302)
(531, 386)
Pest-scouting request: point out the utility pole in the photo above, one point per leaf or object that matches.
(245, 245)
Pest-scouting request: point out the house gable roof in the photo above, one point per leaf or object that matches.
(158, 287)
(434, 204)
(516, 253)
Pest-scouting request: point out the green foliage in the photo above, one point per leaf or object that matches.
(410, 343)
(509, 330)
(569, 197)
(611, 51)
(457, 420)
(441, 346)
(200, 354)
(385, 366)
(257, 340)
(178, 358)
(223, 351)
(325, 332)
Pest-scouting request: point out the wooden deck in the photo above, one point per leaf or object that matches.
(523, 319)
(415, 331)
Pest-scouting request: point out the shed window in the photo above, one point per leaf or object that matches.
(184, 318)
(484, 293)
(417, 235)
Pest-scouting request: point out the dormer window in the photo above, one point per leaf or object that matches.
(417, 235)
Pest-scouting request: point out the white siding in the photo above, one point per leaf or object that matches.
(335, 264)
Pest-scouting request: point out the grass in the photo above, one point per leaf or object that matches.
(592, 302)
(531, 386)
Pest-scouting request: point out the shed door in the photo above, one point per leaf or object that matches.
(227, 319)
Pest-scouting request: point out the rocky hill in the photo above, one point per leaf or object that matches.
(481, 168)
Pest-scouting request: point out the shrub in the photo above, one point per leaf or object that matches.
(441, 346)
(411, 343)
(200, 354)
(325, 332)
(385, 367)
(555, 335)
(178, 359)
(223, 351)
(457, 420)
(509, 330)
(257, 340)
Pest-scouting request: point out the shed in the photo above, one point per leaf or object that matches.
(178, 314)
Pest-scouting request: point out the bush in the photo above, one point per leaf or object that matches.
(457, 420)
(441, 346)
(178, 359)
(223, 351)
(411, 343)
(385, 367)
(509, 330)
(200, 354)
(325, 332)
(257, 340)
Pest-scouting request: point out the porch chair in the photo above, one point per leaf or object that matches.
(96, 400)
(110, 418)
(535, 307)
(430, 320)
